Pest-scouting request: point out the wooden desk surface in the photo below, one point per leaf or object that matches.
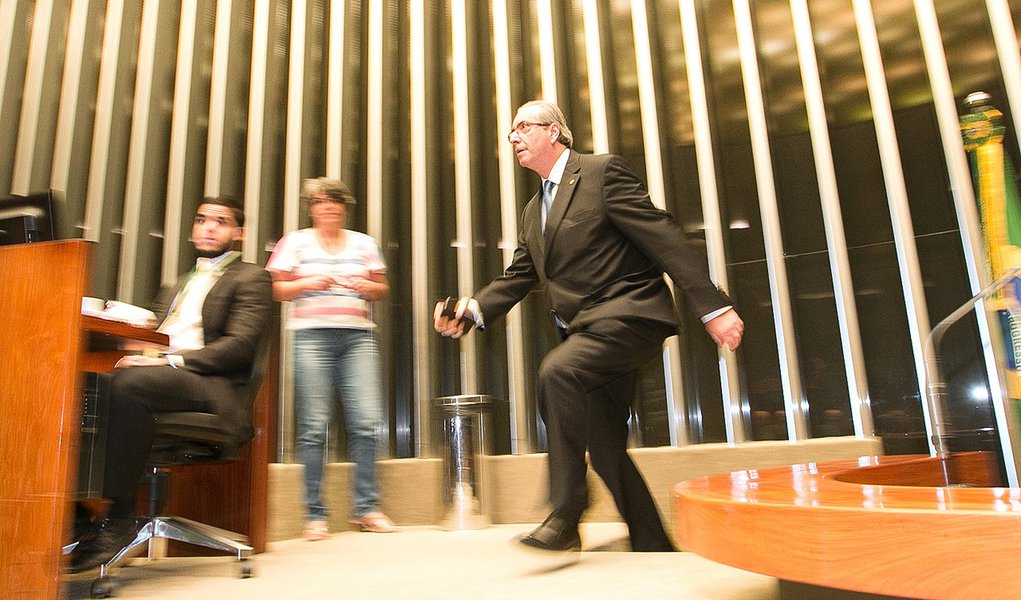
(863, 525)
(104, 342)
(97, 326)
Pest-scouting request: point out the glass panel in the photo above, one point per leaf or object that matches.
(969, 412)
(896, 406)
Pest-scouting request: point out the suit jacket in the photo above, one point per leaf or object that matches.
(604, 252)
(235, 317)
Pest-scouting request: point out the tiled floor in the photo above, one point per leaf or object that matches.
(424, 562)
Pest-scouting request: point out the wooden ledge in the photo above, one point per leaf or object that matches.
(868, 525)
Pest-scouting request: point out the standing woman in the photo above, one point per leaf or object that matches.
(331, 274)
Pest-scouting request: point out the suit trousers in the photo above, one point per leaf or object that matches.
(585, 390)
(136, 393)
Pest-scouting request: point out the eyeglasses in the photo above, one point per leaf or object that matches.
(524, 127)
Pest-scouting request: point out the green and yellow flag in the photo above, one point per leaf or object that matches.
(999, 203)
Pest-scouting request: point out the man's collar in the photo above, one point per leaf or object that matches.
(557, 172)
(217, 263)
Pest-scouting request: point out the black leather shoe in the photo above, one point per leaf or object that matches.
(556, 534)
(111, 537)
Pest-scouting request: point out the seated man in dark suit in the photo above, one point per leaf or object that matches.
(215, 317)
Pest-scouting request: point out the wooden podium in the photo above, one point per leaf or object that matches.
(45, 346)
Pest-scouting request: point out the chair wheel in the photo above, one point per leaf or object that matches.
(244, 570)
(102, 588)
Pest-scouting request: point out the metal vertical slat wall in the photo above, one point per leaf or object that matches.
(141, 113)
(790, 377)
(521, 441)
(896, 190)
(596, 81)
(547, 50)
(70, 93)
(252, 191)
(964, 204)
(465, 243)
(961, 188)
(8, 20)
(1010, 63)
(673, 376)
(712, 221)
(376, 159)
(836, 243)
(218, 98)
(135, 130)
(335, 92)
(173, 221)
(25, 152)
(104, 115)
(422, 311)
(292, 181)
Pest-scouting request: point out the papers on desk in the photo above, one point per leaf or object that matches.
(118, 311)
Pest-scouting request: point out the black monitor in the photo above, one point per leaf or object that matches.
(31, 218)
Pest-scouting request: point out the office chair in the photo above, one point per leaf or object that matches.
(183, 438)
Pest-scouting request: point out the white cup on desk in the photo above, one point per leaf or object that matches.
(92, 306)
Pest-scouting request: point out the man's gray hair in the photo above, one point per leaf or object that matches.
(550, 113)
(333, 189)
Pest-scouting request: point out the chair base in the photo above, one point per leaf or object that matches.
(170, 528)
(184, 530)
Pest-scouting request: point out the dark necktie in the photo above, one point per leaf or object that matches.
(547, 201)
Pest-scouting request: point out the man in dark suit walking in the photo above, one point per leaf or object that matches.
(215, 317)
(592, 236)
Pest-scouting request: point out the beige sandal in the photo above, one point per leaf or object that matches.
(374, 522)
(315, 531)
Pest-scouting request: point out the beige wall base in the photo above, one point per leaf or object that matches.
(514, 488)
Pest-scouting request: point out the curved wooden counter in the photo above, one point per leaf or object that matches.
(881, 525)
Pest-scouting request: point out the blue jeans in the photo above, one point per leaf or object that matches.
(345, 361)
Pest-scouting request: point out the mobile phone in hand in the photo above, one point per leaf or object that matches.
(449, 304)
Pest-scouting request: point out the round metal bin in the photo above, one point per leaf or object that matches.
(464, 428)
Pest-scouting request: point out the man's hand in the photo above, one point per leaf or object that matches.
(139, 360)
(726, 330)
(455, 326)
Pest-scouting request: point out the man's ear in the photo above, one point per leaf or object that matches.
(239, 234)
